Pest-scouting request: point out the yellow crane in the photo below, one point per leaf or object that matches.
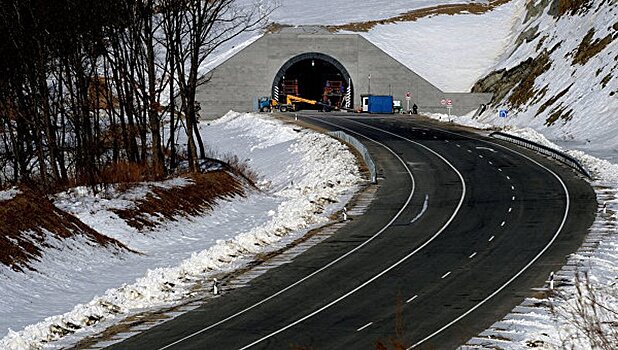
(291, 101)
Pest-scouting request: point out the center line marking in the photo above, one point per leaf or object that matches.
(365, 326)
(472, 255)
(502, 224)
(446, 274)
(513, 198)
(510, 210)
(500, 170)
(513, 187)
(508, 177)
(491, 163)
(414, 297)
(491, 238)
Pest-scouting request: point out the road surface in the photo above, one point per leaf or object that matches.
(461, 229)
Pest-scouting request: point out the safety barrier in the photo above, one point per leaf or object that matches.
(361, 149)
(550, 152)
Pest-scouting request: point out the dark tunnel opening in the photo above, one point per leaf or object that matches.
(314, 77)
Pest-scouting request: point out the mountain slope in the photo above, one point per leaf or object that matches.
(559, 75)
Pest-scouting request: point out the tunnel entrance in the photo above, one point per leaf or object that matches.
(314, 76)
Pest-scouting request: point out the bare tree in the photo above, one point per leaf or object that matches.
(200, 27)
(589, 313)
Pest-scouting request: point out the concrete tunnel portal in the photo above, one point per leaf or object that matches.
(314, 76)
(311, 62)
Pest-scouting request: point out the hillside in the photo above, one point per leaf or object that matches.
(558, 75)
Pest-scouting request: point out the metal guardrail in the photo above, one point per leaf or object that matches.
(555, 154)
(361, 149)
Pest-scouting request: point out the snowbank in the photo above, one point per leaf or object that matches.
(305, 177)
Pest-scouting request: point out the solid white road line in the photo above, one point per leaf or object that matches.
(445, 275)
(553, 239)
(414, 297)
(205, 329)
(365, 326)
(401, 261)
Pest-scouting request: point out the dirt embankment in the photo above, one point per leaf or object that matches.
(30, 219)
(164, 204)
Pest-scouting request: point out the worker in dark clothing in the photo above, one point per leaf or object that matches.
(415, 109)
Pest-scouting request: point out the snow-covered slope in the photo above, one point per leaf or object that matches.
(452, 52)
(325, 12)
(559, 75)
(304, 178)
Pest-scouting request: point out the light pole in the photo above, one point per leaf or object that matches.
(369, 84)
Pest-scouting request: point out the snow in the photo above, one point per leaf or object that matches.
(449, 51)
(9, 194)
(321, 12)
(553, 322)
(305, 177)
(434, 47)
(593, 127)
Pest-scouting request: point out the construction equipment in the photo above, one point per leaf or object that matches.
(266, 104)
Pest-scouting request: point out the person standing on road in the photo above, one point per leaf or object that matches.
(414, 109)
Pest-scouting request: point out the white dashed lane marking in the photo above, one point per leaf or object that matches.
(365, 326)
(409, 300)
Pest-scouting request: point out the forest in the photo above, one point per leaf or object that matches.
(100, 91)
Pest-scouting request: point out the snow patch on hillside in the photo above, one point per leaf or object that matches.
(305, 177)
(9, 194)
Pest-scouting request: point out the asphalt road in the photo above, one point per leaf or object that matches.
(461, 229)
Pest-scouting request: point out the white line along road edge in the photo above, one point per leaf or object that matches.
(322, 268)
(564, 218)
(461, 200)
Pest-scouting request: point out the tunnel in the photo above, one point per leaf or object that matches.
(314, 76)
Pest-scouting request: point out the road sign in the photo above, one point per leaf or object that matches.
(449, 102)
(408, 96)
(443, 102)
(504, 113)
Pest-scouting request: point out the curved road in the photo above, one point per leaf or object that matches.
(461, 229)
